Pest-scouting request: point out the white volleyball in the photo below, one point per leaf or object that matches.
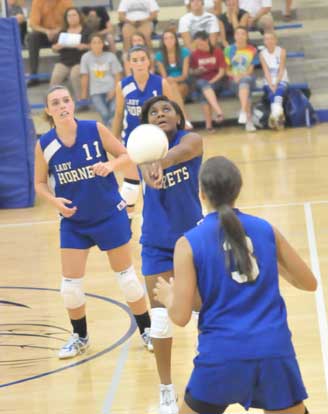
(147, 143)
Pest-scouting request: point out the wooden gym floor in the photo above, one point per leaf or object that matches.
(285, 181)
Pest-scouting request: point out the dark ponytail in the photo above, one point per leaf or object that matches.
(221, 182)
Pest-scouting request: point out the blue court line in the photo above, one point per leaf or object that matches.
(123, 339)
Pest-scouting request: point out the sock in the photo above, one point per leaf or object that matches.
(80, 326)
(143, 321)
(306, 411)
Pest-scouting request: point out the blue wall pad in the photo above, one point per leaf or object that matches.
(17, 133)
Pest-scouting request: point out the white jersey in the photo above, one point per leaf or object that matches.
(272, 61)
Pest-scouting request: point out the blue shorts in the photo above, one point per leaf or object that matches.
(107, 234)
(269, 384)
(156, 260)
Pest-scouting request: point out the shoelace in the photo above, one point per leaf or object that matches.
(74, 342)
(166, 397)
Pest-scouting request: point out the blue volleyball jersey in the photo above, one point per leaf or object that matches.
(134, 98)
(174, 209)
(72, 177)
(239, 320)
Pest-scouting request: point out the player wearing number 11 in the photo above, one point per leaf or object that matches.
(73, 155)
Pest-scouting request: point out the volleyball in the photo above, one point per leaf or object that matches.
(147, 143)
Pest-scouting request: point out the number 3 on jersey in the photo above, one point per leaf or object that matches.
(87, 150)
(238, 277)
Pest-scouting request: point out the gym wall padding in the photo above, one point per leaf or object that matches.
(17, 133)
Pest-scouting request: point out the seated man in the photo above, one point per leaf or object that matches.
(46, 21)
(260, 16)
(137, 17)
(16, 10)
(198, 20)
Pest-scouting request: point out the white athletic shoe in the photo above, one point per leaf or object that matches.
(74, 346)
(168, 400)
(242, 117)
(146, 339)
(250, 127)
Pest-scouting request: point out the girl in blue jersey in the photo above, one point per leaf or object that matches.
(171, 207)
(85, 192)
(131, 93)
(246, 355)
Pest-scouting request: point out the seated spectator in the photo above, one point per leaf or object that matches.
(137, 16)
(208, 66)
(136, 39)
(197, 20)
(211, 6)
(98, 20)
(172, 63)
(287, 15)
(260, 17)
(273, 61)
(230, 20)
(239, 58)
(100, 72)
(15, 9)
(70, 51)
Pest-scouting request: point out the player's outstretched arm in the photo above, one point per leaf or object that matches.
(191, 146)
(292, 267)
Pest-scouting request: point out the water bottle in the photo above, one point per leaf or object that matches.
(307, 118)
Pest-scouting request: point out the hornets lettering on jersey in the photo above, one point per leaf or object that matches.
(175, 177)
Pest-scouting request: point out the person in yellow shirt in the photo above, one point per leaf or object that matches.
(46, 20)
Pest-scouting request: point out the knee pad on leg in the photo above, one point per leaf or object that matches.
(130, 284)
(130, 191)
(72, 292)
(161, 325)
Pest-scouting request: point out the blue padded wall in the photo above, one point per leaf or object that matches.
(17, 134)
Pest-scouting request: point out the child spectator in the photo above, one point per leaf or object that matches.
(208, 66)
(137, 16)
(70, 53)
(273, 61)
(239, 58)
(198, 20)
(230, 20)
(173, 64)
(100, 72)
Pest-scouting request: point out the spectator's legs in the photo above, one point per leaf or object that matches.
(23, 32)
(177, 97)
(111, 110)
(127, 31)
(36, 40)
(146, 28)
(245, 103)
(59, 74)
(76, 81)
(207, 110)
(211, 98)
(100, 103)
(265, 23)
(288, 8)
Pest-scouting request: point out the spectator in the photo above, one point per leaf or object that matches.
(198, 20)
(137, 39)
(230, 20)
(211, 6)
(240, 61)
(100, 72)
(98, 20)
(288, 10)
(137, 16)
(70, 53)
(260, 16)
(15, 9)
(273, 61)
(173, 64)
(46, 21)
(208, 66)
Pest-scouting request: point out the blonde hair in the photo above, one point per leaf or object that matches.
(53, 88)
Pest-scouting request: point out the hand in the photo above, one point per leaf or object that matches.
(152, 174)
(163, 291)
(273, 88)
(65, 211)
(199, 70)
(110, 95)
(170, 79)
(57, 47)
(51, 34)
(102, 168)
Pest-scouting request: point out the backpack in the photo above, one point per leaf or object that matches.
(298, 110)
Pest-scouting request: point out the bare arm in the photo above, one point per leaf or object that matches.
(167, 91)
(119, 112)
(179, 296)
(262, 12)
(223, 37)
(291, 267)
(218, 76)
(213, 37)
(185, 70)
(187, 41)
(282, 65)
(42, 188)
(161, 69)
(266, 71)
(243, 21)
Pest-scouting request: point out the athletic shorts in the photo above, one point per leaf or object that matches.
(107, 234)
(269, 384)
(156, 260)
